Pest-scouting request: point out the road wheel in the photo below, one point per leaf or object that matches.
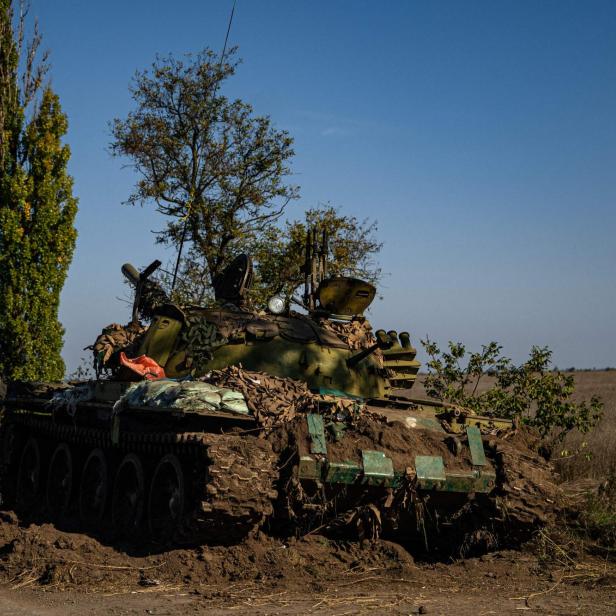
(93, 489)
(28, 476)
(60, 481)
(10, 446)
(166, 501)
(128, 496)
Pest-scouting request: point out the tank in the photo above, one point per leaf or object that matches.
(206, 425)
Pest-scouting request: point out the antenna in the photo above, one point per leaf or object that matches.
(323, 257)
(314, 269)
(315, 266)
(307, 269)
(185, 227)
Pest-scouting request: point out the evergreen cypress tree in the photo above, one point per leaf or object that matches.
(37, 211)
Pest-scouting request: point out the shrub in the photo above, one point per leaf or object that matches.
(531, 392)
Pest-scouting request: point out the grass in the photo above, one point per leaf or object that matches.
(596, 519)
(592, 455)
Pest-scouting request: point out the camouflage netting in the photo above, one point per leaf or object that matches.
(151, 297)
(526, 496)
(115, 338)
(357, 333)
(275, 399)
(200, 339)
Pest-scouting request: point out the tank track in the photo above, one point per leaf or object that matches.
(527, 494)
(230, 477)
(526, 498)
(239, 488)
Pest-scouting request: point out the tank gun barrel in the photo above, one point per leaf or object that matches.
(134, 276)
(131, 274)
(138, 280)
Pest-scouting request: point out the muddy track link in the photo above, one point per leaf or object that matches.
(231, 477)
(239, 487)
(527, 495)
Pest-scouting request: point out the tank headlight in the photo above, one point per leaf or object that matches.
(276, 304)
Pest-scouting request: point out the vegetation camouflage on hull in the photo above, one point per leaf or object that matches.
(279, 417)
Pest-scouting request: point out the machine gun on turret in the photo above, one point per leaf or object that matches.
(315, 266)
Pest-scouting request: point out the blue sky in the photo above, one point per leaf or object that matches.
(481, 135)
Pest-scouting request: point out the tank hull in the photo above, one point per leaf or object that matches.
(172, 475)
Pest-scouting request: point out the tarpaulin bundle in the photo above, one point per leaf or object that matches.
(71, 397)
(189, 396)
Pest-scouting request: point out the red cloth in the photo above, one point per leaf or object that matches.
(144, 366)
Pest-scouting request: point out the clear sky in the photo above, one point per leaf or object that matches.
(480, 134)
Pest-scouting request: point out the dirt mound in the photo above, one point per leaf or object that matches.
(397, 441)
(525, 497)
(44, 555)
(264, 576)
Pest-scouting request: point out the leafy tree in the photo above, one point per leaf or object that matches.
(279, 251)
(278, 255)
(530, 392)
(215, 169)
(37, 211)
